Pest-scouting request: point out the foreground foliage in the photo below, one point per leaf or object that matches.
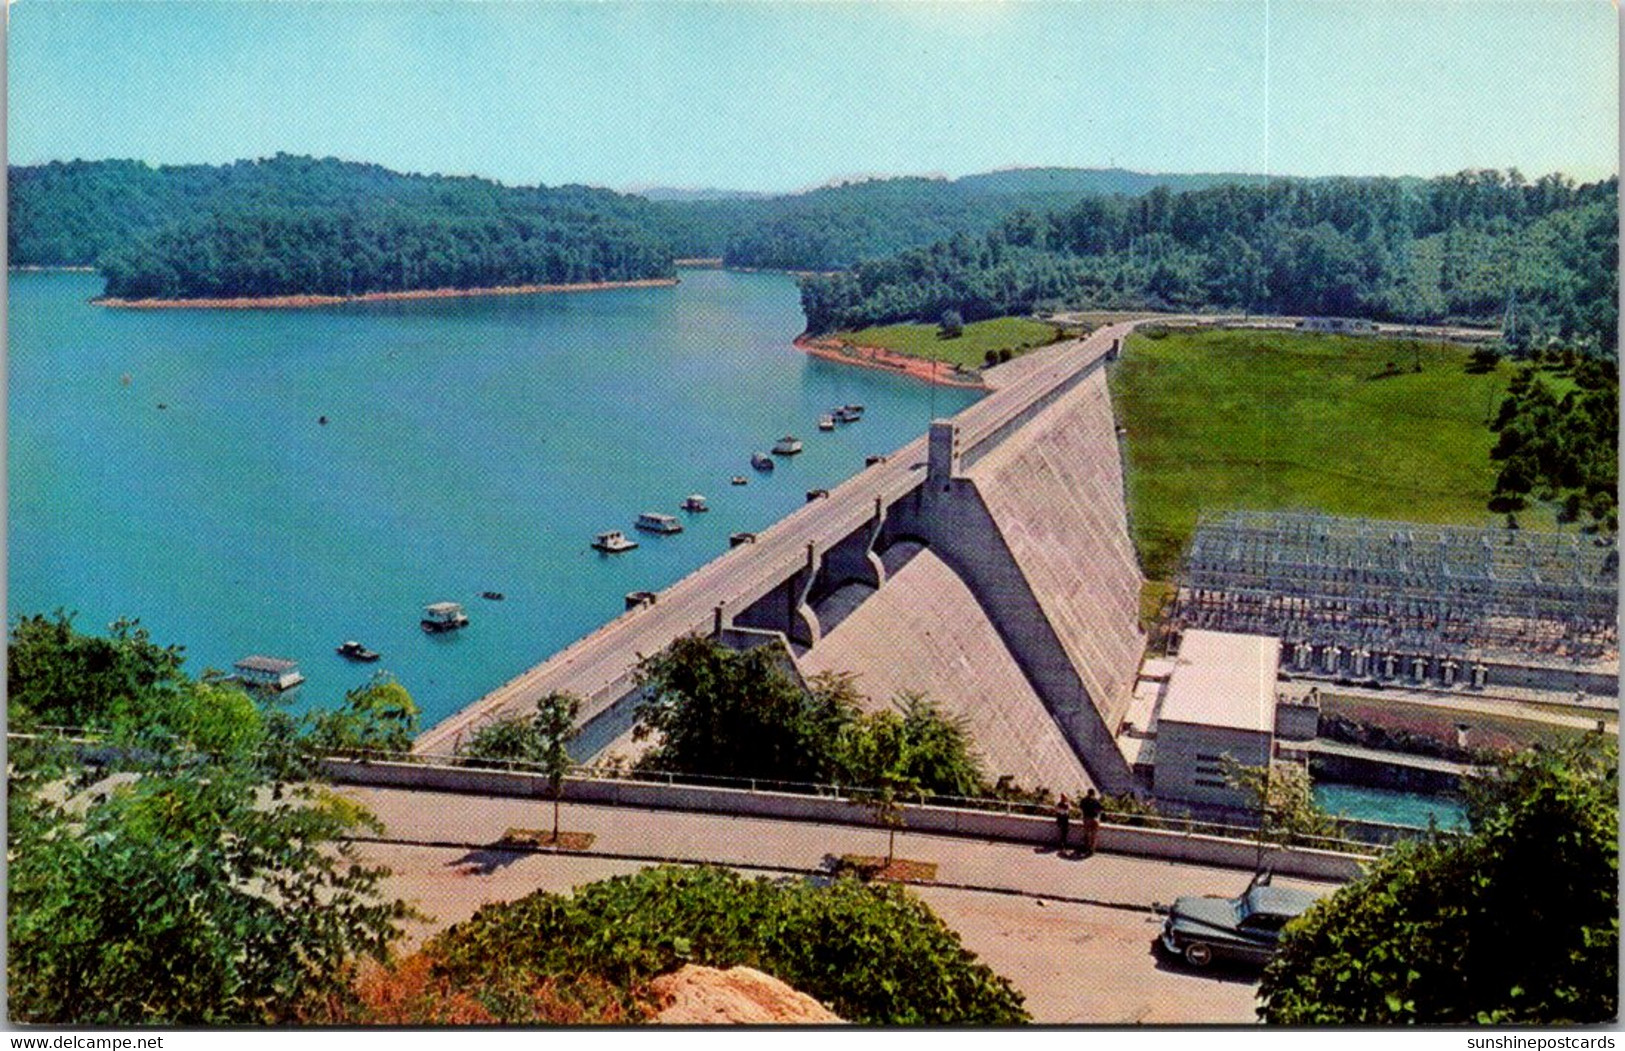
(181, 870)
(714, 711)
(872, 954)
(1517, 923)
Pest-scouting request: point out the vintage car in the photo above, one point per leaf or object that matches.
(1245, 929)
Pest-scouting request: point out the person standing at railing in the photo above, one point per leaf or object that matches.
(1063, 823)
(1089, 809)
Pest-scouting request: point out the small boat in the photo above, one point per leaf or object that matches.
(789, 445)
(761, 461)
(848, 413)
(854, 411)
(826, 422)
(494, 596)
(443, 616)
(613, 541)
(740, 479)
(655, 522)
(355, 651)
(696, 503)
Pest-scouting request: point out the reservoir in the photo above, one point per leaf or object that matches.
(470, 445)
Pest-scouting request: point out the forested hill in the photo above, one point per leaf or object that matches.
(292, 225)
(251, 227)
(835, 227)
(1456, 248)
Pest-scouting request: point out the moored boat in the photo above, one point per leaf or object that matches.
(761, 461)
(353, 650)
(268, 673)
(740, 479)
(696, 503)
(443, 616)
(826, 422)
(613, 541)
(789, 445)
(655, 522)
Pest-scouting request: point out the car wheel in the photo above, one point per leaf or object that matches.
(1198, 954)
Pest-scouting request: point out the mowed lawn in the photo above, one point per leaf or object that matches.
(1219, 420)
(969, 349)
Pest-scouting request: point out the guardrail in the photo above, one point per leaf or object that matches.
(1362, 838)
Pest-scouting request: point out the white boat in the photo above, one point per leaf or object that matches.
(826, 423)
(655, 522)
(268, 673)
(613, 541)
(443, 616)
(789, 445)
(695, 502)
(740, 479)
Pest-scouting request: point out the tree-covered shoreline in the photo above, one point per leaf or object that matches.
(1474, 247)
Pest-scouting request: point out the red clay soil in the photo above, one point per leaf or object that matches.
(265, 302)
(889, 360)
(697, 995)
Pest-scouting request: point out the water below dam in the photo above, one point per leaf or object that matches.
(173, 465)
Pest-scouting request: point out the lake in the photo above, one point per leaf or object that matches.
(471, 445)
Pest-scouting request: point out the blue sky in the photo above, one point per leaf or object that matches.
(779, 96)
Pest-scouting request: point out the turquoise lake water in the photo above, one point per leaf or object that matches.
(472, 445)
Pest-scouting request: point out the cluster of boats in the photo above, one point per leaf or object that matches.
(614, 541)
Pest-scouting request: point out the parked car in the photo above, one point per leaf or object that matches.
(1245, 929)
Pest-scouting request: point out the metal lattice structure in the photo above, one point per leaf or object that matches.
(1402, 586)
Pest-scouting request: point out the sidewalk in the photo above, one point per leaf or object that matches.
(627, 839)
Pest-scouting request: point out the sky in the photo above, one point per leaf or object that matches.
(782, 96)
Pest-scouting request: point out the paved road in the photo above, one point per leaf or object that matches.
(1074, 935)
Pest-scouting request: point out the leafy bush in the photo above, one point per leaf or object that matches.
(874, 954)
(1516, 924)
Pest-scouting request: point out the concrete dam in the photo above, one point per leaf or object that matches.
(987, 565)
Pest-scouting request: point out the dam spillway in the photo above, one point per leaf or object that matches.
(1016, 504)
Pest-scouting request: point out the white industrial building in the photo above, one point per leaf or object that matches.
(1219, 701)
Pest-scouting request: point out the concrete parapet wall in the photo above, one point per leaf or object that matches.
(980, 824)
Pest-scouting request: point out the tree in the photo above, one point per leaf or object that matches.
(716, 711)
(379, 716)
(172, 877)
(1515, 924)
(1285, 801)
(952, 326)
(555, 726)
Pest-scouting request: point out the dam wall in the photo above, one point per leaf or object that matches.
(1018, 502)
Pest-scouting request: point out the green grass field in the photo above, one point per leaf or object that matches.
(968, 349)
(1219, 420)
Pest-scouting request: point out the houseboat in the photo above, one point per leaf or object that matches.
(613, 542)
(789, 445)
(761, 461)
(695, 503)
(443, 616)
(268, 673)
(826, 422)
(353, 650)
(655, 522)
